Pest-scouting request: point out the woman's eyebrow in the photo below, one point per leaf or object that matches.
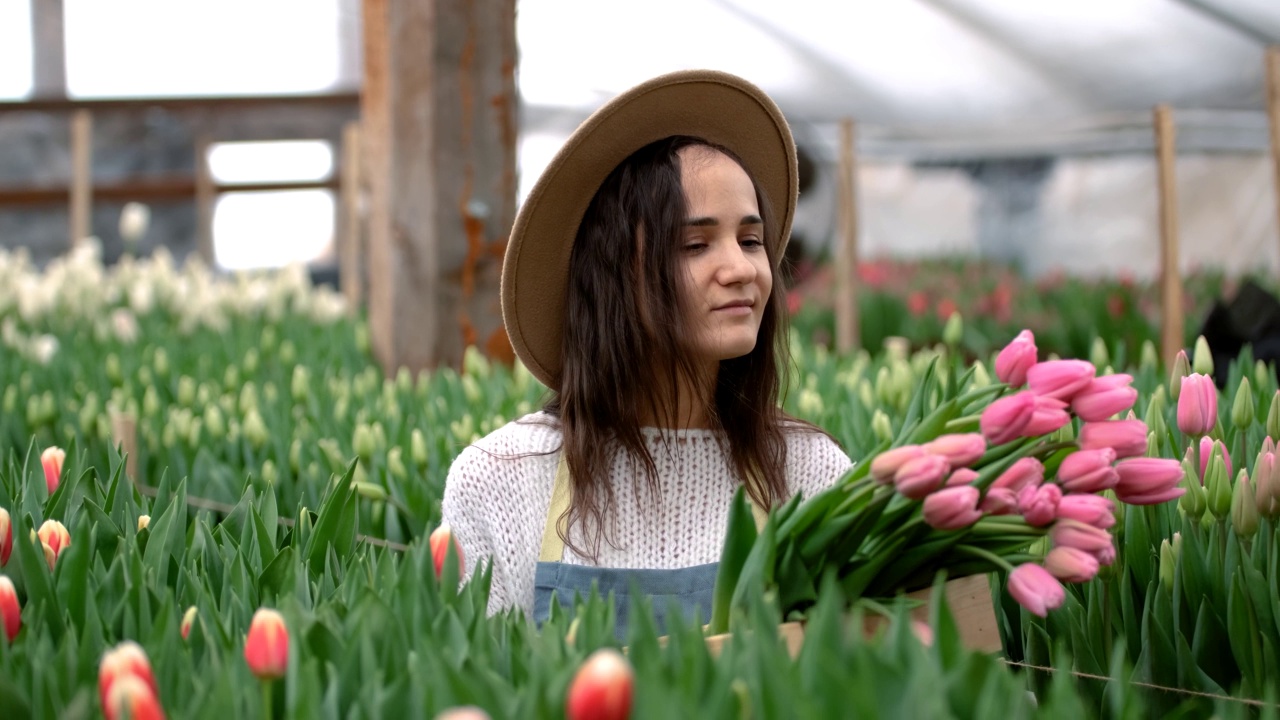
(711, 222)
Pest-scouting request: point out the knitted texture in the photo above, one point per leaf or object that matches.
(498, 491)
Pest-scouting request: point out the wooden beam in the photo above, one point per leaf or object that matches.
(1273, 112)
(438, 117)
(49, 56)
(169, 188)
(1171, 311)
(81, 196)
(350, 248)
(206, 198)
(64, 105)
(846, 260)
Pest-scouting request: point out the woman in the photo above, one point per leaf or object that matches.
(639, 286)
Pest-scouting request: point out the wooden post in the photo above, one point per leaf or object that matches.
(49, 59)
(206, 196)
(1273, 111)
(1171, 318)
(846, 269)
(124, 433)
(81, 202)
(349, 236)
(438, 120)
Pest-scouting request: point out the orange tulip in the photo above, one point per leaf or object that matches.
(602, 688)
(188, 618)
(267, 648)
(10, 611)
(132, 698)
(52, 459)
(439, 541)
(126, 660)
(55, 538)
(6, 536)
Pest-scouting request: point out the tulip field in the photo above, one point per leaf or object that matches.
(213, 504)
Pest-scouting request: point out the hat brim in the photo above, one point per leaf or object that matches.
(718, 107)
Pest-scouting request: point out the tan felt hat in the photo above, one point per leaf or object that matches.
(718, 107)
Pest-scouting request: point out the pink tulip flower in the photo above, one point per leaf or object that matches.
(962, 476)
(1039, 505)
(1197, 405)
(1023, 472)
(266, 650)
(1016, 359)
(1081, 536)
(6, 536)
(10, 610)
(920, 476)
(52, 459)
(439, 541)
(1006, 418)
(1060, 379)
(952, 508)
(1128, 438)
(1103, 397)
(1095, 510)
(999, 501)
(960, 449)
(1148, 481)
(1071, 565)
(1036, 589)
(1264, 476)
(886, 464)
(1088, 471)
(1049, 416)
(1207, 446)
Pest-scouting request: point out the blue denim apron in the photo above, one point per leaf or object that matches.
(689, 589)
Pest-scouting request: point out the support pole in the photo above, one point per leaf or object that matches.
(49, 58)
(81, 202)
(1171, 316)
(847, 337)
(1273, 111)
(350, 246)
(206, 197)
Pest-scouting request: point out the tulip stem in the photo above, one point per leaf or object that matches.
(266, 698)
(990, 557)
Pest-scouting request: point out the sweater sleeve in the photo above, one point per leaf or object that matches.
(814, 461)
(465, 508)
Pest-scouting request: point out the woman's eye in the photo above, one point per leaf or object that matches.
(751, 242)
(694, 246)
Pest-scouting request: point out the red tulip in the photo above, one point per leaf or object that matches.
(1197, 405)
(6, 536)
(1071, 565)
(1016, 358)
(1103, 397)
(1095, 510)
(920, 476)
(267, 648)
(52, 459)
(886, 464)
(1060, 379)
(1148, 481)
(10, 611)
(55, 538)
(188, 619)
(1050, 415)
(469, 712)
(131, 698)
(1088, 471)
(1023, 472)
(1006, 418)
(953, 508)
(1039, 504)
(1128, 438)
(1035, 589)
(125, 660)
(960, 449)
(440, 540)
(602, 688)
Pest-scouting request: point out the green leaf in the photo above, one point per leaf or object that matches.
(740, 537)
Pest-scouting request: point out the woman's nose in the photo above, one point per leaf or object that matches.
(735, 267)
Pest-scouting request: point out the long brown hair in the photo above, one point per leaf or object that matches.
(625, 334)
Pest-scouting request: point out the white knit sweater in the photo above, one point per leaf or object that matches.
(498, 491)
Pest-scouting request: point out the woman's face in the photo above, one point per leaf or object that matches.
(727, 279)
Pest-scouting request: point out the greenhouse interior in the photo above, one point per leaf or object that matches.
(948, 388)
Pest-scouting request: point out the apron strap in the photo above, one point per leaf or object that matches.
(561, 493)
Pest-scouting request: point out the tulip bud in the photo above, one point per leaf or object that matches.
(885, 465)
(1071, 565)
(919, 476)
(440, 541)
(960, 450)
(370, 491)
(144, 521)
(363, 442)
(130, 697)
(52, 459)
(601, 690)
(1209, 448)
(1264, 471)
(1148, 357)
(10, 611)
(134, 219)
(213, 421)
(1218, 487)
(255, 430)
(1016, 359)
(266, 650)
(998, 501)
(395, 464)
(1148, 481)
(1006, 419)
(1202, 360)
(1244, 507)
(1094, 510)
(1167, 565)
(270, 475)
(1060, 379)
(1104, 397)
(467, 712)
(1273, 417)
(1088, 471)
(55, 538)
(418, 448)
(1127, 438)
(961, 476)
(953, 331)
(126, 660)
(1181, 368)
(1194, 502)
(6, 536)
(1050, 415)
(1036, 589)
(1039, 505)
(1242, 408)
(1197, 405)
(881, 427)
(188, 618)
(980, 378)
(1023, 472)
(952, 508)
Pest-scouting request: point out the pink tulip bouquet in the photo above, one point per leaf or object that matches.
(974, 477)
